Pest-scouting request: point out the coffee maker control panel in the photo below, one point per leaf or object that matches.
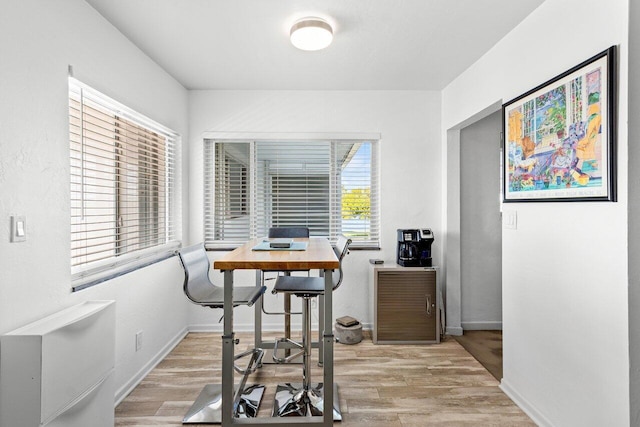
(409, 236)
(426, 233)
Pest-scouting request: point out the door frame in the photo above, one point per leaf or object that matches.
(452, 248)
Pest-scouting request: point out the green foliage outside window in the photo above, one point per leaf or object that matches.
(356, 203)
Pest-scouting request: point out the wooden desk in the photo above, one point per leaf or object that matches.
(318, 255)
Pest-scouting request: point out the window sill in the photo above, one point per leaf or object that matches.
(96, 279)
(230, 248)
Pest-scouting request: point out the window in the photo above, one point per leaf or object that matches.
(330, 187)
(124, 185)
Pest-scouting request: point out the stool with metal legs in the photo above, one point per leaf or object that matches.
(199, 289)
(306, 399)
(284, 232)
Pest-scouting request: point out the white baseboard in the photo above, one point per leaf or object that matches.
(454, 330)
(482, 326)
(525, 405)
(124, 391)
(242, 327)
(205, 327)
(209, 327)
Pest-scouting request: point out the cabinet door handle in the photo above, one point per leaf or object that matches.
(428, 305)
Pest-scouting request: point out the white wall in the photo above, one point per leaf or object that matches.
(565, 281)
(634, 212)
(38, 40)
(480, 225)
(408, 122)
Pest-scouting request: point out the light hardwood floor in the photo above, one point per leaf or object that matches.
(379, 385)
(486, 347)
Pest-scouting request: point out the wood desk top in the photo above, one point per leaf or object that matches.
(318, 255)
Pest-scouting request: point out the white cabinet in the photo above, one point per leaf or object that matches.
(58, 371)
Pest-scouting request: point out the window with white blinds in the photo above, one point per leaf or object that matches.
(331, 187)
(125, 204)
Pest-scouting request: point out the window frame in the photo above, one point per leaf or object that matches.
(153, 197)
(210, 141)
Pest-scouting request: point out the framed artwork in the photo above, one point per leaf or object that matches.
(560, 137)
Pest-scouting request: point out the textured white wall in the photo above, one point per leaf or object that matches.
(480, 225)
(634, 212)
(410, 168)
(564, 269)
(38, 40)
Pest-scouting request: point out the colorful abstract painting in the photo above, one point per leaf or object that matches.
(559, 138)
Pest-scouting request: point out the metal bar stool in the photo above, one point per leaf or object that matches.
(284, 232)
(306, 399)
(201, 291)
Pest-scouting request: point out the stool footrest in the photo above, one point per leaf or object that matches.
(254, 363)
(289, 358)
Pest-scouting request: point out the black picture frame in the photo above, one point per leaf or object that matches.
(559, 138)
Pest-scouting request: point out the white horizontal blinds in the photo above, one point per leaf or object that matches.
(375, 196)
(141, 188)
(356, 212)
(93, 192)
(230, 201)
(124, 182)
(209, 169)
(331, 187)
(292, 186)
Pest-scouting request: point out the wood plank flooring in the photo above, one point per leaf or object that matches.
(379, 385)
(486, 347)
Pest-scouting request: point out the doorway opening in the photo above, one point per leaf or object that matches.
(474, 180)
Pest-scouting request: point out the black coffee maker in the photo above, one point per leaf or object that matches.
(414, 247)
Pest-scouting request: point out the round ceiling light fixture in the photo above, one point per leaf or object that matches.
(311, 34)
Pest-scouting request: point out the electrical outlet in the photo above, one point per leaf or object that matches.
(138, 340)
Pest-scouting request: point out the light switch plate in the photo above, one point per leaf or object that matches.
(510, 220)
(18, 228)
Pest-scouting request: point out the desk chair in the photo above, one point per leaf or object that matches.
(199, 289)
(306, 399)
(288, 232)
(285, 232)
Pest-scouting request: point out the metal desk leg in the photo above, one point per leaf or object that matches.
(287, 320)
(321, 324)
(227, 351)
(320, 330)
(328, 350)
(257, 324)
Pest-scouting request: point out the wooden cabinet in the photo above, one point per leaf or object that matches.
(406, 305)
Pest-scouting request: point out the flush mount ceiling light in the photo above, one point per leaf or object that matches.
(311, 34)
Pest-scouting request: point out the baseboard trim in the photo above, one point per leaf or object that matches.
(482, 326)
(454, 330)
(205, 328)
(248, 327)
(525, 405)
(124, 391)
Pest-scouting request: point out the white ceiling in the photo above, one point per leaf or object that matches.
(378, 44)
